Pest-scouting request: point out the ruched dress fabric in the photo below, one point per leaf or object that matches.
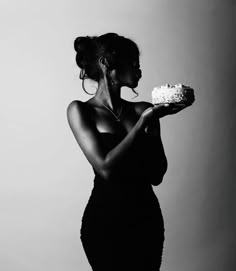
(122, 225)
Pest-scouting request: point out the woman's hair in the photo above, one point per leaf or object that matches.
(116, 49)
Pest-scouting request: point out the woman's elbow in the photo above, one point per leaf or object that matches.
(158, 176)
(156, 180)
(106, 174)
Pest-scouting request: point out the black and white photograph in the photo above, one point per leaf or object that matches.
(118, 135)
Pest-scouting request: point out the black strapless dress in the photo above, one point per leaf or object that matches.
(122, 225)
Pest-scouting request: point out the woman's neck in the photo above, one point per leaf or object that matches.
(109, 95)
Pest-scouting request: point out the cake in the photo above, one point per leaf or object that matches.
(172, 94)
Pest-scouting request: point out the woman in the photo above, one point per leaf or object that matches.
(122, 225)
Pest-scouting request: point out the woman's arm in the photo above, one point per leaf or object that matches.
(88, 138)
(153, 159)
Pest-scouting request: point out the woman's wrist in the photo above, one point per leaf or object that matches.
(140, 125)
(152, 131)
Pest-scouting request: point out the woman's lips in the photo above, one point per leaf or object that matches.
(139, 75)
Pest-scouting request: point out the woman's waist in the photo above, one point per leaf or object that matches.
(116, 196)
(113, 188)
(125, 178)
(120, 206)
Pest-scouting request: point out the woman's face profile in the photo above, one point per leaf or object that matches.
(129, 73)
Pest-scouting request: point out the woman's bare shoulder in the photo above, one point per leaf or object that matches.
(138, 107)
(77, 104)
(77, 108)
(141, 106)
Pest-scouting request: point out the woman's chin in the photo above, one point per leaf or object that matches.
(134, 84)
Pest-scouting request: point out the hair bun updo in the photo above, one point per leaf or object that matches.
(85, 48)
(115, 48)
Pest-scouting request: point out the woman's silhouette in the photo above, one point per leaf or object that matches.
(122, 225)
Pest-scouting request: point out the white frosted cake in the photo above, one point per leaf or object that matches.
(172, 94)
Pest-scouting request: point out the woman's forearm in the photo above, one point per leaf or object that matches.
(155, 160)
(145, 150)
(154, 149)
(119, 154)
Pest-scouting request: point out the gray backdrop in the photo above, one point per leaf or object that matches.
(45, 179)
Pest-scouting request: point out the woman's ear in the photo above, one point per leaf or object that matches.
(103, 63)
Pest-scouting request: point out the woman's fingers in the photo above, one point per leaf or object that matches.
(175, 108)
(157, 107)
(162, 110)
(161, 105)
(172, 108)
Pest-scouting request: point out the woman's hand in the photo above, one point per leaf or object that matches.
(171, 109)
(159, 111)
